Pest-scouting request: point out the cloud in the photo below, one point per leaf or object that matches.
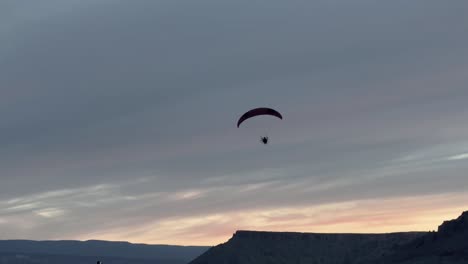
(122, 115)
(50, 212)
(458, 157)
(186, 195)
(423, 213)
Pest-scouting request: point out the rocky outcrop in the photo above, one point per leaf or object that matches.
(448, 245)
(454, 226)
(276, 247)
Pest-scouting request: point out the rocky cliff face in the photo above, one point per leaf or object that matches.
(454, 226)
(448, 245)
(273, 247)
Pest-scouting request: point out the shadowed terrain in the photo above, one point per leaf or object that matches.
(448, 245)
(27, 251)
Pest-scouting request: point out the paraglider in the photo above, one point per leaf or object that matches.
(259, 112)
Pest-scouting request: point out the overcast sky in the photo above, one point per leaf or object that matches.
(118, 118)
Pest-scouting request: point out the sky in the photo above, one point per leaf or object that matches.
(118, 118)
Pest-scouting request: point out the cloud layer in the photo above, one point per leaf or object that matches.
(118, 117)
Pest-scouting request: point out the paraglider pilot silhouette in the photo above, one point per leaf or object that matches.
(258, 112)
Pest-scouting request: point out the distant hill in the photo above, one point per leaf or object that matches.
(70, 252)
(448, 245)
(30, 258)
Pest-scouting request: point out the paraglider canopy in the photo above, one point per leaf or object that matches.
(257, 112)
(261, 111)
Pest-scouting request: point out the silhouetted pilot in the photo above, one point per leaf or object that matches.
(264, 140)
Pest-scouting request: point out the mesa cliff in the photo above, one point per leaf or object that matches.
(448, 245)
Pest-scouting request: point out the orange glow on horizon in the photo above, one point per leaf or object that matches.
(424, 213)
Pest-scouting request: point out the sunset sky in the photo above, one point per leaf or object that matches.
(118, 118)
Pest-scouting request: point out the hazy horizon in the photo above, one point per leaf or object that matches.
(119, 118)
